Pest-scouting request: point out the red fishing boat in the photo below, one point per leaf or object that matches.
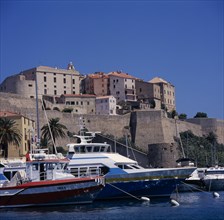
(46, 181)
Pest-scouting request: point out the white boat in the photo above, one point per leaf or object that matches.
(11, 166)
(194, 182)
(124, 177)
(214, 178)
(46, 181)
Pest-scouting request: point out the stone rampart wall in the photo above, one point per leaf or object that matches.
(147, 127)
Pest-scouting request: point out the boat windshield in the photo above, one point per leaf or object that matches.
(208, 172)
(91, 148)
(128, 166)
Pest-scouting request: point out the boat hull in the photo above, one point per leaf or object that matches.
(214, 184)
(132, 189)
(151, 183)
(55, 192)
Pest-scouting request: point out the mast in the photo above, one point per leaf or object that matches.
(37, 110)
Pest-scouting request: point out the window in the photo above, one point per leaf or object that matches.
(54, 74)
(87, 102)
(64, 80)
(30, 85)
(55, 92)
(64, 92)
(73, 81)
(77, 103)
(81, 102)
(45, 85)
(45, 79)
(55, 80)
(45, 91)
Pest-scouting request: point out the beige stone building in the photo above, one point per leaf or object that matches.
(80, 103)
(122, 86)
(167, 91)
(105, 105)
(148, 94)
(96, 83)
(49, 81)
(26, 127)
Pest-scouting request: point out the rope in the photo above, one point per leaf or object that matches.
(124, 191)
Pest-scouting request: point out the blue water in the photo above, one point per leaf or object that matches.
(197, 205)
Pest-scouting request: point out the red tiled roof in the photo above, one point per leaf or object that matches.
(98, 76)
(121, 75)
(79, 95)
(7, 114)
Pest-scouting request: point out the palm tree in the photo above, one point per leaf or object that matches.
(53, 130)
(8, 134)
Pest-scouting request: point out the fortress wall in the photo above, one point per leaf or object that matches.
(147, 127)
(210, 124)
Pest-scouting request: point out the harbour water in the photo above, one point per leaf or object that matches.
(193, 205)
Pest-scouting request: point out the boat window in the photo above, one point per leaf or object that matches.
(136, 167)
(34, 166)
(89, 149)
(59, 166)
(214, 172)
(102, 149)
(127, 167)
(83, 171)
(124, 166)
(120, 166)
(82, 149)
(51, 166)
(74, 171)
(96, 149)
(94, 170)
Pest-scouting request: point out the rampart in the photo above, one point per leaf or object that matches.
(148, 129)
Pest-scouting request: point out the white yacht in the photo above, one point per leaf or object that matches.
(124, 177)
(214, 178)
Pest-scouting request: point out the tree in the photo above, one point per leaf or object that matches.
(57, 130)
(182, 116)
(201, 115)
(9, 134)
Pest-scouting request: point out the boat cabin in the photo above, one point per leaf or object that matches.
(39, 170)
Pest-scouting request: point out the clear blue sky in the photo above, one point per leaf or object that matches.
(180, 41)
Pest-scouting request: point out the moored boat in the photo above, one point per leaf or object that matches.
(47, 182)
(214, 178)
(124, 177)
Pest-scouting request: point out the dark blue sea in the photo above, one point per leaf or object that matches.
(193, 205)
